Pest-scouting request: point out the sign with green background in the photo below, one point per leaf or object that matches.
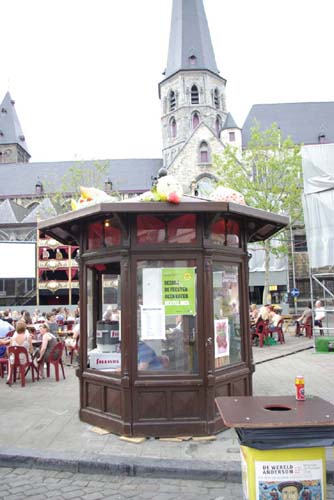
(178, 290)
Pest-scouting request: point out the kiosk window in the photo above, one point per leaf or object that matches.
(103, 233)
(226, 325)
(225, 232)
(104, 330)
(167, 316)
(178, 229)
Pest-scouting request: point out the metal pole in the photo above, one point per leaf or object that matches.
(293, 267)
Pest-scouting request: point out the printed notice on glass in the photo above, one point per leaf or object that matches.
(178, 290)
(152, 293)
(222, 338)
(293, 479)
(153, 325)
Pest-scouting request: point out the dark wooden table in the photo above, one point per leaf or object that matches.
(274, 411)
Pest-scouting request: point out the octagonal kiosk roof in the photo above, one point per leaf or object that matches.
(260, 224)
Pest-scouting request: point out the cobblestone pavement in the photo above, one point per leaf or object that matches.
(44, 484)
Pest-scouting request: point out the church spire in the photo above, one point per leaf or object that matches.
(190, 45)
(13, 148)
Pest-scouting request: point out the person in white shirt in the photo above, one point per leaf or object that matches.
(319, 315)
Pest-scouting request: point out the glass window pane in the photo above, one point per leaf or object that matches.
(95, 235)
(150, 229)
(226, 314)
(104, 346)
(233, 232)
(167, 316)
(217, 234)
(182, 229)
(225, 232)
(90, 296)
(112, 234)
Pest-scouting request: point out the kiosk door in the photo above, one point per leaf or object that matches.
(168, 391)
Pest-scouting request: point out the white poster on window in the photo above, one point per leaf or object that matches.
(153, 325)
(152, 289)
(222, 338)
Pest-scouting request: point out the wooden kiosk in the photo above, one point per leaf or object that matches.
(164, 311)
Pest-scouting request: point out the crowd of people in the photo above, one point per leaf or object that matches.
(16, 330)
(271, 315)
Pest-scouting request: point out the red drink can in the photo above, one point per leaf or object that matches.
(300, 388)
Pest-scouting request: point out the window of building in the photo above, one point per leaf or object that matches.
(167, 299)
(218, 125)
(194, 95)
(231, 136)
(204, 186)
(152, 229)
(103, 288)
(195, 120)
(173, 127)
(300, 244)
(204, 156)
(216, 98)
(225, 232)
(227, 341)
(103, 234)
(192, 60)
(172, 100)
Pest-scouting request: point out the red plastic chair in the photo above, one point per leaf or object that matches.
(307, 326)
(3, 366)
(73, 349)
(19, 360)
(56, 358)
(279, 330)
(261, 331)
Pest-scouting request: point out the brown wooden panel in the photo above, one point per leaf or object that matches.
(239, 387)
(151, 405)
(113, 401)
(223, 390)
(185, 404)
(94, 396)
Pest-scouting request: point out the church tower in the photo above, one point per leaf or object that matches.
(193, 92)
(13, 148)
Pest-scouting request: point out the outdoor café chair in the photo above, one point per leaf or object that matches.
(279, 330)
(56, 358)
(307, 326)
(261, 332)
(19, 359)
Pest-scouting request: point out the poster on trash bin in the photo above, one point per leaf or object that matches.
(289, 480)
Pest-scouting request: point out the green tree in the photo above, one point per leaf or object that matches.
(269, 175)
(61, 190)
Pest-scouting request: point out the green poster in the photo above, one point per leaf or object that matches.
(178, 290)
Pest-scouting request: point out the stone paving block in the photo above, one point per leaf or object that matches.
(93, 496)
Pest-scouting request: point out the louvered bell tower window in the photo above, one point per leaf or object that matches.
(172, 100)
(194, 95)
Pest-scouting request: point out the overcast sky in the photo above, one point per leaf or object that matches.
(84, 74)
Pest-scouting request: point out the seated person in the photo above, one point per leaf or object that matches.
(48, 343)
(303, 319)
(253, 313)
(274, 319)
(147, 358)
(21, 338)
(5, 329)
(178, 325)
(51, 322)
(71, 341)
